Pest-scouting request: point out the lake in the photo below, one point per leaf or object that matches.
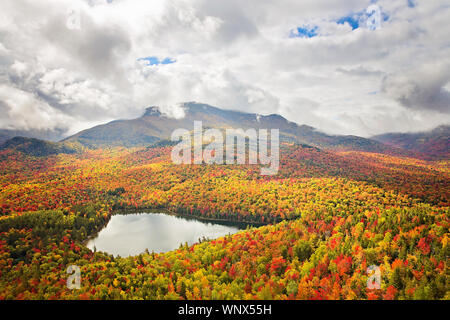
(131, 234)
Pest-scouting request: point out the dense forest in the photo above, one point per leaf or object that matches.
(327, 215)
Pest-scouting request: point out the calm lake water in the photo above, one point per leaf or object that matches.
(131, 234)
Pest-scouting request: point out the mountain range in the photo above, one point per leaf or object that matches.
(435, 143)
(50, 135)
(154, 127)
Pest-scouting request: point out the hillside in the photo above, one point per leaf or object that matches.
(50, 135)
(154, 126)
(329, 214)
(434, 143)
(38, 148)
(333, 214)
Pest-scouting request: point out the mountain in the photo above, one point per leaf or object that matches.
(37, 147)
(51, 135)
(434, 143)
(154, 126)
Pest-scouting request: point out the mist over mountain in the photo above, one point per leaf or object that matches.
(154, 126)
(50, 135)
(38, 148)
(434, 143)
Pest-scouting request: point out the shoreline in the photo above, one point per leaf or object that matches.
(242, 225)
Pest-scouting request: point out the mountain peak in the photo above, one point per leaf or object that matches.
(152, 111)
(37, 147)
(192, 107)
(156, 125)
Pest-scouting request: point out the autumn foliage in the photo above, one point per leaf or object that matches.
(322, 221)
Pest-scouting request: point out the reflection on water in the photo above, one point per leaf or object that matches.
(131, 234)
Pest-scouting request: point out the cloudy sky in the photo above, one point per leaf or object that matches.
(349, 66)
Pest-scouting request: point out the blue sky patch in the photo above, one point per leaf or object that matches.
(355, 20)
(352, 20)
(359, 19)
(154, 61)
(304, 32)
(411, 3)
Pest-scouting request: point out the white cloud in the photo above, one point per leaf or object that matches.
(232, 54)
(421, 88)
(23, 110)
